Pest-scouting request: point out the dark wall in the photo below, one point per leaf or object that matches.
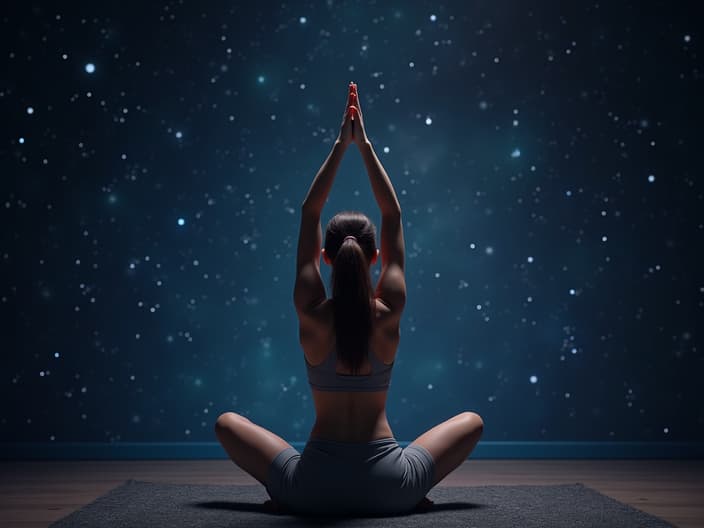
(546, 158)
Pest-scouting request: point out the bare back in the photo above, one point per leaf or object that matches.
(351, 416)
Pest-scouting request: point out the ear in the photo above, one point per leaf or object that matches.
(325, 257)
(374, 258)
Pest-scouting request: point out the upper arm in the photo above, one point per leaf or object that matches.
(309, 290)
(391, 288)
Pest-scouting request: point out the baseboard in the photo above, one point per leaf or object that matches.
(484, 450)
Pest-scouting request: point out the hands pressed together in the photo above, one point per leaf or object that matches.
(352, 127)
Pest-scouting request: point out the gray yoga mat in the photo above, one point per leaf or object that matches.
(151, 504)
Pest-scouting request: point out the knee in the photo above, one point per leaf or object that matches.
(225, 419)
(475, 422)
(221, 421)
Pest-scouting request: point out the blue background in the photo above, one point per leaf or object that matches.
(517, 137)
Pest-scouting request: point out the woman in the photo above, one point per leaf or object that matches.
(351, 463)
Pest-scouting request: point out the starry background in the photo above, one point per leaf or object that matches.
(154, 157)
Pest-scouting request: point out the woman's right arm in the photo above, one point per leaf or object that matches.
(381, 184)
(391, 288)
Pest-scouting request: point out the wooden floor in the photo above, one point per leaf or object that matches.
(34, 494)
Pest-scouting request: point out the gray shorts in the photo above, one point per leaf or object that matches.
(349, 478)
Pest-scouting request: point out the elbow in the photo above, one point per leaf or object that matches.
(392, 212)
(395, 209)
(307, 208)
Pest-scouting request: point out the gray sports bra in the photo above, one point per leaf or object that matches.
(323, 376)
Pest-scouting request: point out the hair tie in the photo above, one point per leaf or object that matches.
(349, 236)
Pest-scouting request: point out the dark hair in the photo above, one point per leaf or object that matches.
(351, 284)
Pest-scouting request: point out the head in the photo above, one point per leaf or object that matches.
(351, 284)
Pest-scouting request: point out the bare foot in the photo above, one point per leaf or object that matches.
(424, 505)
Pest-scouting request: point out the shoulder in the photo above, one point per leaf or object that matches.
(388, 318)
(316, 323)
(316, 329)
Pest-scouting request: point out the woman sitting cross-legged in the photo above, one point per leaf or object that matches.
(351, 463)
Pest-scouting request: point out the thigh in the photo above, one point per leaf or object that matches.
(305, 482)
(400, 481)
(250, 446)
(420, 470)
(451, 442)
(280, 481)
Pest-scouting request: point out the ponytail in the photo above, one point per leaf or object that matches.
(350, 242)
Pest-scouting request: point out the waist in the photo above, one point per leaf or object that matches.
(358, 430)
(352, 446)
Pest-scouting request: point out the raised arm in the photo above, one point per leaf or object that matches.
(391, 288)
(392, 247)
(322, 183)
(309, 290)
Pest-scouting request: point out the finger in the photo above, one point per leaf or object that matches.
(356, 101)
(356, 115)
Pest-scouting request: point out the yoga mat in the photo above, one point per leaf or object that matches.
(150, 504)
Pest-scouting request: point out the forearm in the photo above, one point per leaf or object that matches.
(320, 188)
(381, 184)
